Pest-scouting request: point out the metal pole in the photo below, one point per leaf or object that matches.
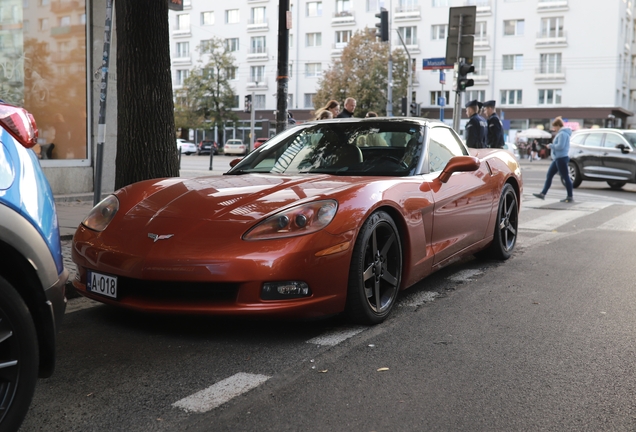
(252, 115)
(284, 24)
(389, 92)
(441, 108)
(101, 125)
(409, 95)
(458, 94)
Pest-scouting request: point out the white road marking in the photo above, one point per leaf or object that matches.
(334, 337)
(625, 222)
(220, 393)
(553, 220)
(418, 298)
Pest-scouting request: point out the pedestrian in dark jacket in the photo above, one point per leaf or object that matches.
(348, 108)
(477, 127)
(495, 138)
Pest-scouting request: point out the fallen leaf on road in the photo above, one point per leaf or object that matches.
(383, 369)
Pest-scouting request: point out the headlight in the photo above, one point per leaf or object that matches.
(296, 221)
(101, 215)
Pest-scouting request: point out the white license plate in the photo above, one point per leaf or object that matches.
(102, 284)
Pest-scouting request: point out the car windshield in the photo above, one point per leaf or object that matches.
(631, 137)
(370, 148)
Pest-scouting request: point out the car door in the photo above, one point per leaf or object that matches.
(463, 205)
(585, 150)
(618, 165)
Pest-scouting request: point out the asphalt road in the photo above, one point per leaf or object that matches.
(544, 341)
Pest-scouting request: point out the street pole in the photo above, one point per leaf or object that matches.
(409, 95)
(101, 125)
(252, 115)
(284, 24)
(458, 94)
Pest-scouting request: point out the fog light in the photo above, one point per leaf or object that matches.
(285, 290)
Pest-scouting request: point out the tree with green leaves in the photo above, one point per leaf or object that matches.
(207, 96)
(361, 72)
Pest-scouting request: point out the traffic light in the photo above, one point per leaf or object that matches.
(383, 26)
(462, 79)
(248, 104)
(415, 109)
(404, 106)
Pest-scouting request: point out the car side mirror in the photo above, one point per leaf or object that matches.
(623, 148)
(458, 164)
(234, 162)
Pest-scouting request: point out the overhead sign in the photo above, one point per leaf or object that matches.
(465, 49)
(435, 63)
(468, 14)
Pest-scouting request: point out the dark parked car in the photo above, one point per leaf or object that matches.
(32, 274)
(603, 155)
(205, 146)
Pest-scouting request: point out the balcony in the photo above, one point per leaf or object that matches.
(407, 12)
(482, 43)
(551, 39)
(70, 31)
(257, 53)
(552, 5)
(483, 6)
(257, 83)
(412, 45)
(343, 18)
(182, 59)
(481, 77)
(62, 6)
(547, 74)
(181, 32)
(260, 24)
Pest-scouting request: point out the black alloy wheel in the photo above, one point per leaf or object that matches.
(18, 358)
(506, 229)
(376, 270)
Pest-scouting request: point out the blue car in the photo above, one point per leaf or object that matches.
(32, 274)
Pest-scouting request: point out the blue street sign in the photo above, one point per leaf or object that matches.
(442, 76)
(441, 101)
(436, 63)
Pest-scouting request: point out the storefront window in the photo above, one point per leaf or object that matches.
(43, 68)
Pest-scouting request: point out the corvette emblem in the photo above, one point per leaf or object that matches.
(156, 237)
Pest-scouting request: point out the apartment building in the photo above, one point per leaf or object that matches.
(537, 58)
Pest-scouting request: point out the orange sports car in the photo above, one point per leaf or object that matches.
(326, 217)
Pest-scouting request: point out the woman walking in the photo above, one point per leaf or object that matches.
(560, 148)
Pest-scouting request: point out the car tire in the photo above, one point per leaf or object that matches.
(575, 175)
(616, 185)
(376, 270)
(506, 228)
(18, 355)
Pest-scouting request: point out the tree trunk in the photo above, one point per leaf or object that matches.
(146, 138)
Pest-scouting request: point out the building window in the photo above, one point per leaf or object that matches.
(513, 62)
(481, 31)
(550, 97)
(550, 63)
(409, 34)
(511, 97)
(43, 24)
(514, 27)
(206, 46)
(436, 94)
(441, 3)
(479, 95)
(309, 100)
(343, 7)
(183, 22)
(290, 100)
(259, 101)
(232, 16)
(257, 45)
(314, 9)
(230, 73)
(257, 73)
(342, 38)
(258, 15)
(372, 5)
(183, 49)
(438, 31)
(207, 18)
(480, 66)
(232, 44)
(181, 76)
(552, 27)
(64, 21)
(313, 39)
(313, 70)
(235, 101)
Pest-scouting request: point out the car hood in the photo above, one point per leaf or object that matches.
(245, 198)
